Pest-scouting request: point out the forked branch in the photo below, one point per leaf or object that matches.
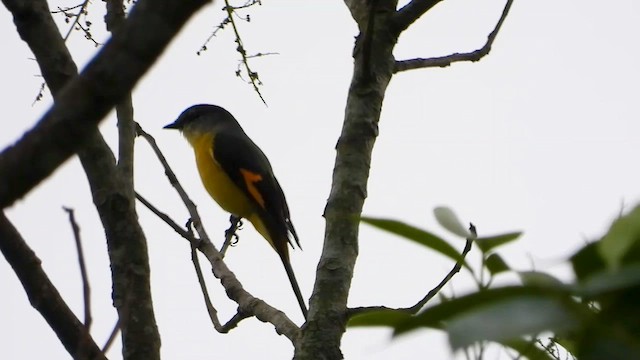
(411, 12)
(444, 61)
(433, 292)
(44, 296)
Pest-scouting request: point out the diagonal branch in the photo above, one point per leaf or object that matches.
(411, 12)
(91, 95)
(71, 126)
(44, 296)
(444, 61)
(433, 292)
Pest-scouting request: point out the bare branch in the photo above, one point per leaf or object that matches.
(112, 337)
(86, 289)
(44, 296)
(173, 180)
(433, 292)
(234, 321)
(213, 313)
(89, 96)
(114, 19)
(444, 61)
(164, 217)
(225, 22)
(70, 126)
(253, 76)
(211, 310)
(411, 12)
(82, 7)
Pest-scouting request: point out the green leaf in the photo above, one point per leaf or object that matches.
(539, 278)
(491, 306)
(419, 236)
(495, 264)
(388, 318)
(587, 261)
(487, 243)
(609, 281)
(622, 235)
(528, 349)
(508, 319)
(449, 220)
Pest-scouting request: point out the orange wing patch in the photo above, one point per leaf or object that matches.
(250, 178)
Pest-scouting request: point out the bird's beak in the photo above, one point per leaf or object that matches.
(173, 125)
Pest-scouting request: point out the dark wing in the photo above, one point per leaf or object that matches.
(248, 167)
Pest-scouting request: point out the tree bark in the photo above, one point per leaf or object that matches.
(44, 296)
(373, 69)
(71, 126)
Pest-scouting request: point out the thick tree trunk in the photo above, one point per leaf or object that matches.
(373, 68)
(71, 125)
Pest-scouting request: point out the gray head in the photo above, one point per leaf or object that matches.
(204, 118)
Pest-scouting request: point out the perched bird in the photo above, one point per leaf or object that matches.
(238, 176)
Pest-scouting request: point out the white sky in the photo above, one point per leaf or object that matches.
(541, 136)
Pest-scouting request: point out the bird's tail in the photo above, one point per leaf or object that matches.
(279, 231)
(294, 285)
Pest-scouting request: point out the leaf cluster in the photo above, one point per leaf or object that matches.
(597, 316)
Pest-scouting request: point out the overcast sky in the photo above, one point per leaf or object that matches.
(541, 136)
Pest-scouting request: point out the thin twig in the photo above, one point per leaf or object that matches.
(43, 295)
(433, 292)
(213, 313)
(223, 23)
(77, 18)
(64, 10)
(112, 337)
(411, 12)
(173, 179)
(253, 76)
(164, 217)
(86, 289)
(234, 321)
(444, 61)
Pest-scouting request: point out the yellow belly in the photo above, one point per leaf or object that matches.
(221, 188)
(215, 180)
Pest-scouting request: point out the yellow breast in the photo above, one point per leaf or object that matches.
(221, 188)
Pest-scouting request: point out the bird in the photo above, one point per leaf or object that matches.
(239, 177)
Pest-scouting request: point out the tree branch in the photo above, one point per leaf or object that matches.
(321, 335)
(89, 96)
(114, 18)
(112, 337)
(44, 296)
(433, 292)
(253, 76)
(86, 289)
(73, 121)
(411, 12)
(37, 28)
(444, 61)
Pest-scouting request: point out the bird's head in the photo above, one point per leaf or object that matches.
(203, 118)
